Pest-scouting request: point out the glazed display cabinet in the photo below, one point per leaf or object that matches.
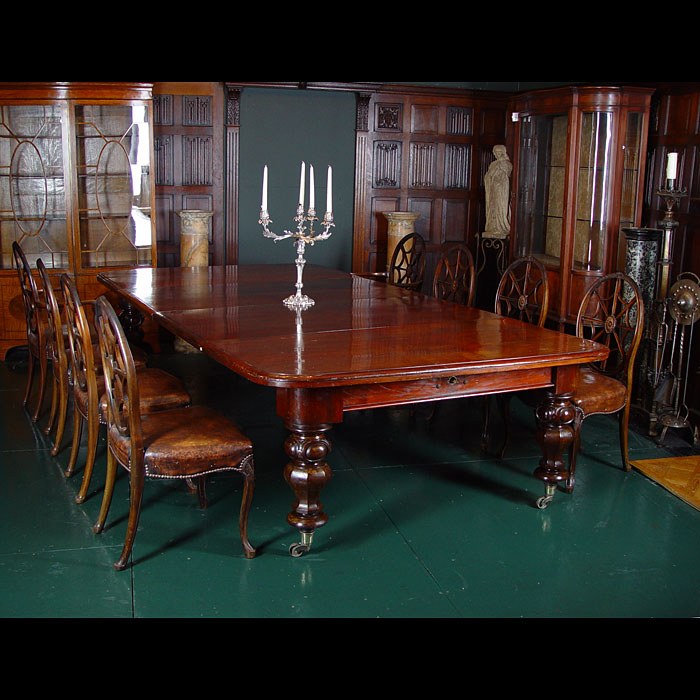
(578, 170)
(76, 185)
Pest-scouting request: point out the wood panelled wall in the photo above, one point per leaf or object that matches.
(188, 163)
(675, 126)
(426, 153)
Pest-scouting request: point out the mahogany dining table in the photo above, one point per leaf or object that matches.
(363, 344)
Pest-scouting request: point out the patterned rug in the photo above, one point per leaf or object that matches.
(679, 475)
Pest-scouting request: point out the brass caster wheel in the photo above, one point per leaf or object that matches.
(299, 548)
(549, 491)
(544, 501)
(296, 550)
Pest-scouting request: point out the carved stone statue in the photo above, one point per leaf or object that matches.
(497, 183)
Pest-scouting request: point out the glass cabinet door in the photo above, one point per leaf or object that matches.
(32, 184)
(594, 189)
(631, 168)
(113, 185)
(541, 180)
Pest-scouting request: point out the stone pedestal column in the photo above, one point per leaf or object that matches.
(194, 251)
(194, 237)
(401, 223)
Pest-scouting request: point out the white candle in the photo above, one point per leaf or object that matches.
(263, 206)
(301, 183)
(312, 198)
(329, 191)
(671, 165)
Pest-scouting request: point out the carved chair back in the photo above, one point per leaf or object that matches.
(407, 266)
(454, 278)
(612, 314)
(523, 291)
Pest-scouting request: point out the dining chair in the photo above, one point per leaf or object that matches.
(159, 389)
(454, 278)
(407, 265)
(57, 354)
(523, 291)
(612, 314)
(37, 328)
(180, 443)
(523, 294)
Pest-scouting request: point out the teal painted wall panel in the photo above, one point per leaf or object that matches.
(280, 128)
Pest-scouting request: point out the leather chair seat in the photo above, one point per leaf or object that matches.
(174, 442)
(158, 390)
(599, 393)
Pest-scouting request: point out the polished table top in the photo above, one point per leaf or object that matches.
(358, 331)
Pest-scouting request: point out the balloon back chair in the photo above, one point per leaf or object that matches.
(612, 314)
(407, 266)
(522, 293)
(159, 389)
(454, 278)
(37, 328)
(58, 356)
(181, 443)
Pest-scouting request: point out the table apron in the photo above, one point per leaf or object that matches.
(361, 396)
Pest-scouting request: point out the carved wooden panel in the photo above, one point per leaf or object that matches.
(387, 164)
(423, 159)
(389, 117)
(457, 166)
(197, 160)
(197, 110)
(189, 152)
(459, 121)
(163, 109)
(164, 155)
(421, 153)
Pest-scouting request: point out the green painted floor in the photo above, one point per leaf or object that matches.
(422, 525)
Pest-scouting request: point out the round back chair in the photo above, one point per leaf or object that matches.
(407, 266)
(454, 278)
(523, 291)
(37, 331)
(611, 313)
(186, 443)
(56, 353)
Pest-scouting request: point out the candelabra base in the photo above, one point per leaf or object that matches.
(298, 302)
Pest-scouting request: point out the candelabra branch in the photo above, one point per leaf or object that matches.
(303, 236)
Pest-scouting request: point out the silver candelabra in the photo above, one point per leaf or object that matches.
(304, 234)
